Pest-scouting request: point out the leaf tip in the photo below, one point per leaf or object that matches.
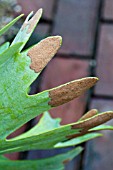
(31, 23)
(89, 114)
(43, 52)
(71, 90)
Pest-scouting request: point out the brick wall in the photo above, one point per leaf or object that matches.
(87, 30)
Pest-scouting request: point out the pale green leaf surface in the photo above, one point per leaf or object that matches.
(45, 124)
(4, 47)
(53, 163)
(5, 29)
(102, 127)
(16, 106)
(44, 135)
(46, 140)
(9, 52)
(78, 140)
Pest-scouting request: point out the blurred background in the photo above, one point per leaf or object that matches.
(87, 31)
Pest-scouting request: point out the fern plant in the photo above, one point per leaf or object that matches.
(18, 69)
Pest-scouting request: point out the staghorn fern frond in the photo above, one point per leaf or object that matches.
(18, 69)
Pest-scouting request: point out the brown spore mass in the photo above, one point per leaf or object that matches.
(89, 114)
(42, 53)
(71, 90)
(91, 122)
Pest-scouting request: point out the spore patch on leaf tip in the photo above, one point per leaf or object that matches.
(69, 91)
(42, 53)
(89, 114)
(90, 123)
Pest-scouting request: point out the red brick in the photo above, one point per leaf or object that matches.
(60, 71)
(108, 9)
(99, 153)
(34, 5)
(75, 22)
(105, 62)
